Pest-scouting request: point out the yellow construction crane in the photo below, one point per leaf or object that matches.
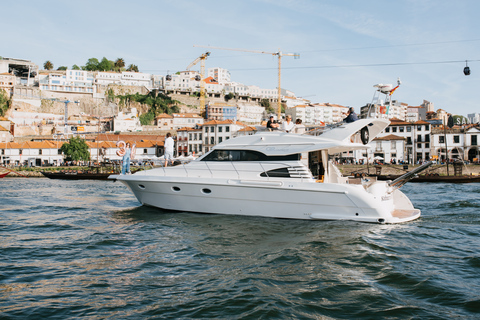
(279, 54)
(202, 59)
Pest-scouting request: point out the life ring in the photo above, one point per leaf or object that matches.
(364, 135)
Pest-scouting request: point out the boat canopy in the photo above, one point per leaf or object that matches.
(339, 139)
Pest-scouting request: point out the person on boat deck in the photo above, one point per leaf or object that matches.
(126, 159)
(169, 144)
(351, 116)
(288, 124)
(299, 126)
(272, 124)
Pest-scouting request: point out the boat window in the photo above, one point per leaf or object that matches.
(246, 155)
(277, 173)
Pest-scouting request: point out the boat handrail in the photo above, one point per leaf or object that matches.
(400, 181)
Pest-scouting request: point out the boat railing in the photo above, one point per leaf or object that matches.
(238, 171)
(400, 181)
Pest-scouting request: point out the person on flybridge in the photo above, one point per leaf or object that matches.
(351, 116)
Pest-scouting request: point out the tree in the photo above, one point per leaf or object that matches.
(105, 65)
(133, 68)
(229, 96)
(76, 149)
(5, 103)
(48, 65)
(92, 64)
(62, 68)
(119, 64)
(75, 67)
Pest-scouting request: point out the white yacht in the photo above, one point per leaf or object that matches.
(278, 175)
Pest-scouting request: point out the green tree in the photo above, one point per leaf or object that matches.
(76, 149)
(119, 64)
(229, 96)
(75, 67)
(105, 65)
(92, 64)
(133, 68)
(5, 103)
(62, 68)
(48, 65)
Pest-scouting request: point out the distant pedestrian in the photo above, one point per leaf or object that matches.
(168, 146)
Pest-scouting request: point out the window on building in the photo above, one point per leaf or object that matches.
(190, 136)
(441, 139)
(427, 128)
(419, 146)
(419, 128)
(473, 139)
(419, 138)
(456, 139)
(59, 151)
(227, 129)
(394, 145)
(206, 129)
(220, 129)
(427, 145)
(20, 151)
(419, 156)
(401, 129)
(394, 129)
(212, 140)
(394, 155)
(3, 151)
(409, 140)
(409, 129)
(212, 129)
(206, 140)
(145, 151)
(39, 151)
(199, 137)
(219, 139)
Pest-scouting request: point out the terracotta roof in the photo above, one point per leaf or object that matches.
(216, 122)
(185, 115)
(164, 116)
(421, 122)
(390, 137)
(130, 137)
(3, 129)
(246, 129)
(189, 129)
(398, 122)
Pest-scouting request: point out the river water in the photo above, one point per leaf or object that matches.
(87, 249)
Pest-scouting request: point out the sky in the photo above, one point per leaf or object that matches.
(345, 47)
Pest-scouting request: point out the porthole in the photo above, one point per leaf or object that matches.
(176, 189)
(141, 186)
(206, 191)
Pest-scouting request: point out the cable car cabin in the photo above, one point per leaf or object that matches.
(198, 78)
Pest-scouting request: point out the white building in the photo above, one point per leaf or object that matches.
(176, 121)
(190, 141)
(73, 81)
(250, 113)
(215, 132)
(222, 76)
(125, 78)
(32, 153)
(127, 122)
(388, 149)
(462, 143)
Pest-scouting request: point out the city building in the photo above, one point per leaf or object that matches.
(124, 122)
(473, 117)
(189, 141)
(74, 81)
(215, 132)
(176, 121)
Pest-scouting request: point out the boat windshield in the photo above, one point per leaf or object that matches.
(246, 155)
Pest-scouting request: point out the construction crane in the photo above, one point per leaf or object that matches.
(202, 59)
(65, 130)
(279, 54)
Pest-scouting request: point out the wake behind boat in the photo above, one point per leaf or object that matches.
(278, 175)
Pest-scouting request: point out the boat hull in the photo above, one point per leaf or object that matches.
(76, 176)
(310, 201)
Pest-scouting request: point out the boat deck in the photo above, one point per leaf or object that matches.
(402, 214)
